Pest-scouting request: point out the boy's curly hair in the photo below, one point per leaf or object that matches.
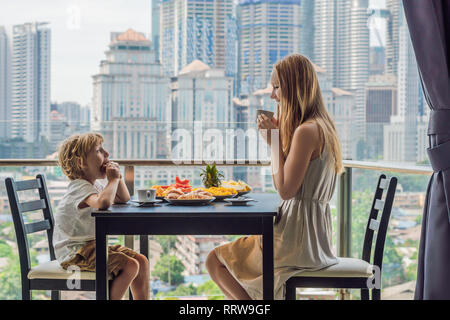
(73, 151)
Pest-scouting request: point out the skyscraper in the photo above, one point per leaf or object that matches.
(155, 27)
(341, 47)
(131, 99)
(268, 31)
(381, 105)
(5, 83)
(201, 101)
(403, 129)
(392, 35)
(30, 112)
(307, 25)
(195, 30)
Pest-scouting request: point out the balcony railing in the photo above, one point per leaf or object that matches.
(344, 188)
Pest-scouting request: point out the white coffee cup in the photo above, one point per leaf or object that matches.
(146, 195)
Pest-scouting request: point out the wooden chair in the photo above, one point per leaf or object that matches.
(351, 273)
(49, 275)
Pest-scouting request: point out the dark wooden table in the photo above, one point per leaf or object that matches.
(166, 219)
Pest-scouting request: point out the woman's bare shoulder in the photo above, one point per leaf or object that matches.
(310, 132)
(309, 129)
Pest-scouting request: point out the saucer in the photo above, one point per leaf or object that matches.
(146, 203)
(240, 201)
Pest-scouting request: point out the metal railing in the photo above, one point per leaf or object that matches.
(344, 190)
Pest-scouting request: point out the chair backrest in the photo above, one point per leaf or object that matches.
(380, 226)
(17, 210)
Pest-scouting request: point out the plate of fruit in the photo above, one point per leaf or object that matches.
(240, 186)
(182, 185)
(219, 193)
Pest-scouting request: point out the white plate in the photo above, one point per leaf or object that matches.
(188, 202)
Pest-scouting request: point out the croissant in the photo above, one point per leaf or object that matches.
(173, 195)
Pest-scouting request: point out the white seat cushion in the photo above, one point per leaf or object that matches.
(347, 267)
(53, 270)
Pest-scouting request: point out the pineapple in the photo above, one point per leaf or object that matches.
(211, 176)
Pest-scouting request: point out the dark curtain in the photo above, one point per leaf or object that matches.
(429, 27)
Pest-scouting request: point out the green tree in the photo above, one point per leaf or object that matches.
(167, 243)
(169, 266)
(210, 289)
(392, 272)
(10, 282)
(181, 291)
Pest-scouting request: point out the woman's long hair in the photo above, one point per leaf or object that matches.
(300, 101)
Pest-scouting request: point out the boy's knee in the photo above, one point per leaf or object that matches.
(131, 267)
(142, 260)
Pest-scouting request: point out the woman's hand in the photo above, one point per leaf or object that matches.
(265, 125)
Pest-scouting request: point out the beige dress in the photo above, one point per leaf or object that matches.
(302, 236)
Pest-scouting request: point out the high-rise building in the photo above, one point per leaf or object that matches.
(30, 111)
(408, 84)
(196, 30)
(5, 83)
(341, 47)
(193, 250)
(201, 101)
(340, 105)
(325, 36)
(131, 99)
(381, 105)
(392, 35)
(155, 27)
(268, 31)
(377, 60)
(307, 25)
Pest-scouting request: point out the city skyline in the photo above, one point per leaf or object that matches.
(80, 30)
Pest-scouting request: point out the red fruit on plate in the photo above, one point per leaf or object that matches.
(183, 182)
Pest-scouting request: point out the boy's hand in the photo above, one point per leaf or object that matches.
(112, 170)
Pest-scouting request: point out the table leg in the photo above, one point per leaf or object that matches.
(267, 251)
(101, 256)
(143, 245)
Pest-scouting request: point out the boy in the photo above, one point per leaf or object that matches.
(83, 160)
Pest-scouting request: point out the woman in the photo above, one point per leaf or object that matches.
(306, 159)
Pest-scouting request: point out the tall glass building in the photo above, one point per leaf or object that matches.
(342, 48)
(5, 83)
(30, 111)
(268, 31)
(196, 30)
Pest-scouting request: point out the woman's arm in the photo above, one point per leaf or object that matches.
(288, 174)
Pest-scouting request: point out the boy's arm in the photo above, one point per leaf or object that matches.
(105, 198)
(122, 194)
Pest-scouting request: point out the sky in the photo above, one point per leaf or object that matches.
(80, 35)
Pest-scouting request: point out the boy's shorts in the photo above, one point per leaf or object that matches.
(85, 258)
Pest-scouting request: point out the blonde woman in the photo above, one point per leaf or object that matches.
(306, 159)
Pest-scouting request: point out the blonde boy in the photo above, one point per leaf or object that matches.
(84, 160)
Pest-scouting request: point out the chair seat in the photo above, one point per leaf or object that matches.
(346, 267)
(53, 270)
